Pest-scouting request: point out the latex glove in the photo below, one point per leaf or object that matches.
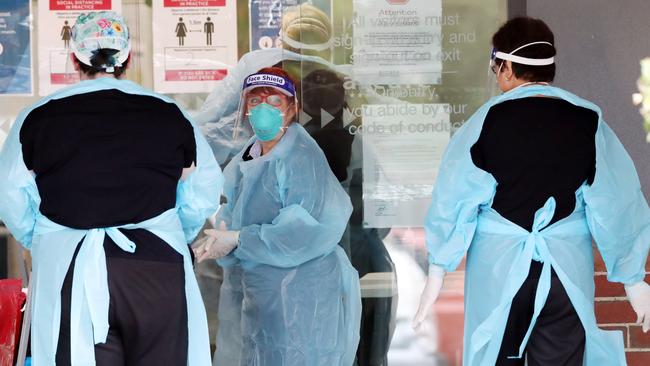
(639, 296)
(216, 244)
(429, 294)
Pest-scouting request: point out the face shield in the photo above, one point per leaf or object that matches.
(265, 104)
(497, 59)
(492, 86)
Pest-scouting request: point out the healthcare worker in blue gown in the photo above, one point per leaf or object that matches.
(524, 187)
(290, 295)
(106, 183)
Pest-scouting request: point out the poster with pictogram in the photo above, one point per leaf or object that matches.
(195, 43)
(54, 24)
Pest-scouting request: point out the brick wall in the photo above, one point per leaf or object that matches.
(613, 311)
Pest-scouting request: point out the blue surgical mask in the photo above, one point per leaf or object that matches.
(266, 121)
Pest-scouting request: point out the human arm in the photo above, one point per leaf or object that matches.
(619, 219)
(19, 197)
(197, 195)
(314, 214)
(460, 189)
(430, 294)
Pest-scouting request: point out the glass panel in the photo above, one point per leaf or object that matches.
(382, 86)
(382, 101)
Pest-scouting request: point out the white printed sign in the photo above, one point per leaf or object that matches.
(403, 146)
(55, 21)
(397, 41)
(195, 44)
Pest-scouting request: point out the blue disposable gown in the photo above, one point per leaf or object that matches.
(52, 245)
(290, 295)
(612, 211)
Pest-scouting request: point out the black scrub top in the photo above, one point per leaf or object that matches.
(537, 148)
(108, 158)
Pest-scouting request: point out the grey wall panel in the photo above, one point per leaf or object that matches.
(600, 44)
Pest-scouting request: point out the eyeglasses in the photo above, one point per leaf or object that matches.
(275, 100)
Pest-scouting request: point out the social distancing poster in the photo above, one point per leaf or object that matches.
(55, 21)
(194, 42)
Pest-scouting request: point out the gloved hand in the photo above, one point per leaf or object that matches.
(639, 296)
(429, 294)
(216, 244)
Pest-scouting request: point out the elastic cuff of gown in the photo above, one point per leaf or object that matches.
(433, 262)
(635, 280)
(244, 234)
(436, 270)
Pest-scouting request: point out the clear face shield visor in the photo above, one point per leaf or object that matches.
(491, 84)
(258, 93)
(495, 67)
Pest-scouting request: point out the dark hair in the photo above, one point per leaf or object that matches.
(277, 71)
(518, 32)
(100, 58)
(323, 89)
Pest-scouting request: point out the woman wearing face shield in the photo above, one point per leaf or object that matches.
(105, 183)
(525, 186)
(290, 295)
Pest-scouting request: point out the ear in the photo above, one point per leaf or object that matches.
(75, 62)
(291, 114)
(293, 105)
(127, 64)
(507, 70)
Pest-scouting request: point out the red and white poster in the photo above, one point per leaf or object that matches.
(194, 42)
(54, 23)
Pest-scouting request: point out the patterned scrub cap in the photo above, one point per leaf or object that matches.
(97, 30)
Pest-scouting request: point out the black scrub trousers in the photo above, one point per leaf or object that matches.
(538, 148)
(104, 159)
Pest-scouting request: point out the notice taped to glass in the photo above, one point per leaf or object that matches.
(55, 21)
(195, 43)
(397, 41)
(403, 146)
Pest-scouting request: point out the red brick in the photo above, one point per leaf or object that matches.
(638, 339)
(449, 311)
(622, 328)
(599, 264)
(604, 288)
(608, 312)
(638, 358)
